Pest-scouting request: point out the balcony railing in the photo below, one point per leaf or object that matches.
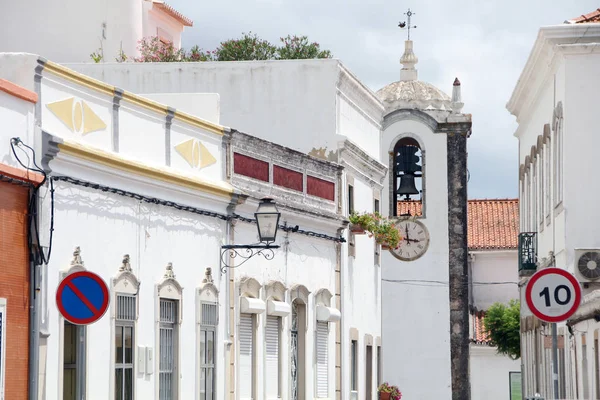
(527, 251)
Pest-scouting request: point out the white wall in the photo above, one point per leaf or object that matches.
(489, 373)
(17, 120)
(70, 30)
(415, 317)
(290, 102)
(494, 267)
(201, 105)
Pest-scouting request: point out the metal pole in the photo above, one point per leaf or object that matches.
(555, 360)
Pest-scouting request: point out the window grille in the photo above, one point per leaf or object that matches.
(322, 358)
(126, 313)
(168, 350)
(208, 324)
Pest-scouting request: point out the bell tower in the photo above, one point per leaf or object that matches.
(425, 324)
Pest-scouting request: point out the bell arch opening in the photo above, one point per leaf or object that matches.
(408, 178)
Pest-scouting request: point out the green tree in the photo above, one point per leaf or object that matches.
(502, 323)
(249, 47)
(298, 47)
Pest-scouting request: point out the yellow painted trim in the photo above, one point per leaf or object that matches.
(140, 101)
(78, 78)
(200, 123)
(120, 163)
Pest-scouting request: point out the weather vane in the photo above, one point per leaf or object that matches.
(404, 24)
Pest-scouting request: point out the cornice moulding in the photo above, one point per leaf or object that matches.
(546, 43)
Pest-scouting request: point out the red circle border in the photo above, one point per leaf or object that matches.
(103, 307)
(565, 274)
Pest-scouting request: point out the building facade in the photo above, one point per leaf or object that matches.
(554, 104)
(148, 211)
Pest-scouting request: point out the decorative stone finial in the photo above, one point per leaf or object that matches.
(208, 276)
(125, 266)
(77, 257)
(408, 61)
(169, 274)
(457, 103)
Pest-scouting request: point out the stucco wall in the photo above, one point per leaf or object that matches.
(489, 373)
(68, 31)
(494, 278)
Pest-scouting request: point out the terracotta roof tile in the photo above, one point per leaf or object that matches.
(173, 12)
(479, 334)
(493, 224)
(593, 17)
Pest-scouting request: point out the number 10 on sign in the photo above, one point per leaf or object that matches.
(553, 294)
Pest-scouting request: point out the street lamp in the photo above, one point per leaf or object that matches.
(267, 222)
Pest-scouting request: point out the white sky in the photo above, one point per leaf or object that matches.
(485, 43)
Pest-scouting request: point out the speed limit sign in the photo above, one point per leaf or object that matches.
(553, 294)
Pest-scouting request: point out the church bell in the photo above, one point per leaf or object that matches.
(407, 185)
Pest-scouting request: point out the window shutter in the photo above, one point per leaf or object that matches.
(322, 358)
(272, 361)
(246, 355)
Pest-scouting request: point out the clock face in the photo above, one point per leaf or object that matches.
(415, 240)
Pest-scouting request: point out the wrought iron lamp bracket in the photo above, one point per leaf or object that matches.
(245, 252)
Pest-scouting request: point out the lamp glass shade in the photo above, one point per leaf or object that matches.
(267, 220)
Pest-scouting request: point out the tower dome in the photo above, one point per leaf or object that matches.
(409, 92)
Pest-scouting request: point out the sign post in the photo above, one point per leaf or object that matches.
(82, 298)
(553, 295)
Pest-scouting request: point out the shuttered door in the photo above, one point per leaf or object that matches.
(246, 356)
(322, 357)
(272, 361)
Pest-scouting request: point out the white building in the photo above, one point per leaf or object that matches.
(144, 195)
(555, 105)
(317, 107)
(71, 30)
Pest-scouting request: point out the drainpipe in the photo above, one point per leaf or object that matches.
(34, 331)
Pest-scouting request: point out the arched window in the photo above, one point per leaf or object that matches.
(207, 324)
(124, 313)
(557, 126)
(299, 296)
(168, 314)
(407, 190)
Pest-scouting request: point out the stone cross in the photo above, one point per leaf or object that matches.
(407, 23)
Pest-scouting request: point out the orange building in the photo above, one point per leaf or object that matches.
(15, 188)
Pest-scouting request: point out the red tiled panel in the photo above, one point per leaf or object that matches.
(250, 167)
(480, 335)
(320, 188)
(492, 224)
(287, 178)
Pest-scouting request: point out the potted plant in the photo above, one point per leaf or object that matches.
(387, 235)
(389, 392)
(359, 223)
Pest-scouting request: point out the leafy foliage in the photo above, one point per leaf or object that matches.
(298, 47)
(249, 47)
(502, 323)
(395, 393)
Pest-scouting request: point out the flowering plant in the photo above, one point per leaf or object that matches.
(367, 221)
(386, 233)
(393, 390)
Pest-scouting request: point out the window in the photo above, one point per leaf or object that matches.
(124, 346)
(272, 343)
(74, 342)
(298, 346)
(542, 184)
(535, 199)
(246, 340)
(2, 345)
(369, 373)
(548, 178)
(378, 366)
(354, 366)
(558, 158)
(322, 358)
(407, 168)
(376, 205)
(350, 199)
(168, 349)
(208, 327)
